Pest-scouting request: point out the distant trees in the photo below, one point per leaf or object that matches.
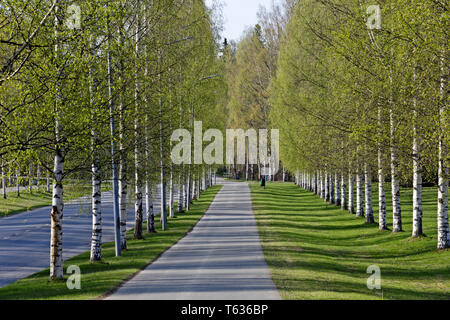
(251, 64)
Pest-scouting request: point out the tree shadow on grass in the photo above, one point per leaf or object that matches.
(306, 239)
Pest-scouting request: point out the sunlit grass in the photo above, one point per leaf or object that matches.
(41, 198)
(99, 278)
(317, 251)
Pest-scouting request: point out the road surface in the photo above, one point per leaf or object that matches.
(221, 259)
(25, 237)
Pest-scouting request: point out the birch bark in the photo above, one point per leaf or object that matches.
(138, 206)
(368, 194)
(331, 184)
(382, 221)
(3, 180)
(123, 164)
(96, 240)
(180, 192)
(343, 191)
(150, 214)
(171, 193)
(56, 215)
(417, 174)
(396, 206)
(359, 194)
(351, 197)
(443, 172)
(337, 190)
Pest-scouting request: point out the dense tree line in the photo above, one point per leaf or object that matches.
(358, 104)
(91, 88)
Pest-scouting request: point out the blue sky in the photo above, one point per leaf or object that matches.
(238, 14)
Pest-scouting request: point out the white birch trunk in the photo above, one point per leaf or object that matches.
(150, 214)
(3, 180)
(171, 194)
(337, 191)
(180, 192)
(246, 166)
(331, 184)
(186, 194)
(368, 194)
(96, 241)
(199, 187)
(316, 182)
(56, 215)
(211, 183)
(322, 185)
(417, 176)
(194, 187)
(161, 149)
(343, 191)
(319, 184)
(308, 181)
(138, 205)
(359, 194)
(382, 220)
(188, 190)
(396, 206)
(351, 196)
(123, 176)
(443, 173)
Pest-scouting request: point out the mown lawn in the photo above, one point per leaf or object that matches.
(317, 251)
(99, 278)
(29, 201)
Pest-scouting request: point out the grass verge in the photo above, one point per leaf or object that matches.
(317, 251)
(41, 198)
(100, 278)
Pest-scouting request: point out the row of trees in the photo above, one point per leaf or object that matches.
(360, 97)
(94, 90)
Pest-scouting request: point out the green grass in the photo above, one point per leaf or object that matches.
(99, 278)
(317, 251)
(38, 199)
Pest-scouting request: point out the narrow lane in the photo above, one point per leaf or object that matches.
(221, 259)
(25, 237)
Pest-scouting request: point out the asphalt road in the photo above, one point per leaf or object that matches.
(25, 237)
(221, 259)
